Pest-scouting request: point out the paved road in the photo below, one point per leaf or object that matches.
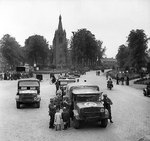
(130, 111)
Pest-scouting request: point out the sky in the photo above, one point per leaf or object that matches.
(109, 20)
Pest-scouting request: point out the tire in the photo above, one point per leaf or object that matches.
(76, 123)
(38, 104)
(104, 123)
(18, 105)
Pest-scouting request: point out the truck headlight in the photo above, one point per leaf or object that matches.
(102, 110)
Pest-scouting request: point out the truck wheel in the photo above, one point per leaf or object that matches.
(76, 123)
(38, 104)
(18, 105)
(104, 123)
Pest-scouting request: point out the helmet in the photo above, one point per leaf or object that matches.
(105, 95)
(51, 99)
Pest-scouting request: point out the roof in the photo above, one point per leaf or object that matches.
(85, 91)
(81, 84)
(66, 79)
(28, 79)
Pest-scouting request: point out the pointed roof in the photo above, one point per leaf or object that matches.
(60, 23)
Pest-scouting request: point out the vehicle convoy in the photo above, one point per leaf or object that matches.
(86, 104)
(28, 92)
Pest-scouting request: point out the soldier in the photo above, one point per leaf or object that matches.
(107, 102)
(117, 79)
(66, 118)
(66, 103)
(57, 85)
(52, 111)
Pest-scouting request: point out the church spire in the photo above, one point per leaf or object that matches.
(60, 23)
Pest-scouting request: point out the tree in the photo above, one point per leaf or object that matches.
(85, 48)
(37, 49)
(137, 44)
(11, 51)
(122, 56)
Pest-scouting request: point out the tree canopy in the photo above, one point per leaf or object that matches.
(37, 49)
(122, 56)
(11, 50)
(135, 53)
(137, 44)
(85, 48)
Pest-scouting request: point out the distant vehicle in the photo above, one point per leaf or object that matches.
(28, 92)
(86, 104)
(20, 69)
(146, 91)
(64, 81)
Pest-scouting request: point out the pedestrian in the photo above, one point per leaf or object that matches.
(52, 111)
(58, 120)
(117, 79)
(98, 73)
(107, 104)
(106, 76)
(53, 79)
(57, 85)
(122, 80)
(66, 118)
(127, 80)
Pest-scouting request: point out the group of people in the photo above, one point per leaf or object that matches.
(59, 112)
(13, 75)
(122, 79)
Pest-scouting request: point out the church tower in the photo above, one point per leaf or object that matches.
(60, 47)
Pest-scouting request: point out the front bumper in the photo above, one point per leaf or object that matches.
(28, 100)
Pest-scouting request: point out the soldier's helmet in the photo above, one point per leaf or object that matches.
(51, 100)
(104, 95)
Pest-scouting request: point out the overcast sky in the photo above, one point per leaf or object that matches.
(109, 20)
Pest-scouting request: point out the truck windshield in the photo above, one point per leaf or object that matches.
(87, 98)
(28, 83)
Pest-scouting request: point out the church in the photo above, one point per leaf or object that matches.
(60, 47)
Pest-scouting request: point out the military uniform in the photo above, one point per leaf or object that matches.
(107, 102)
(52, 111)
(66, 118)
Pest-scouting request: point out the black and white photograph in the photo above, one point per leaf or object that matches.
(74, 70)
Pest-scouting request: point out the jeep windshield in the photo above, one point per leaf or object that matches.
(29, 83)
(86, 98)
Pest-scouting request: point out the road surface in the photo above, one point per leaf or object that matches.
(130, 112)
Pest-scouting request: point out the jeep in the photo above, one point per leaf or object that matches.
(28, 92)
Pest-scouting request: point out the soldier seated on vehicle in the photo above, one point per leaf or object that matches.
(109, 82)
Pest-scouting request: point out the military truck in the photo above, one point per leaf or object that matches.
(86, 104)
(28, 92)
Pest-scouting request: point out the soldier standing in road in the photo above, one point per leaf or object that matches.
(107, 102)
(66, 118)
(52, 111)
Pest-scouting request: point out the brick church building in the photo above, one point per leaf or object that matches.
(60, 47)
